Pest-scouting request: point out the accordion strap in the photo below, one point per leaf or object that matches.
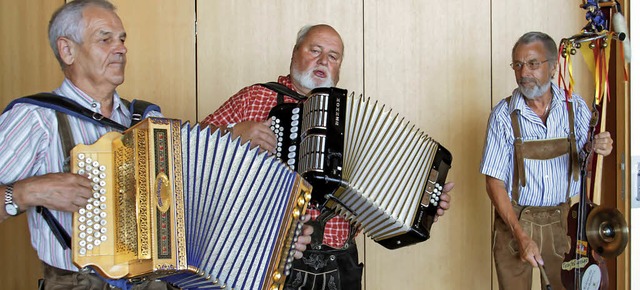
(282, 91)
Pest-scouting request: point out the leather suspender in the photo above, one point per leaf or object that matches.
(541, 149)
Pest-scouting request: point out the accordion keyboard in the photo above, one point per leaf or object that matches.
(92, 219)
(433, 190)
(286, 148)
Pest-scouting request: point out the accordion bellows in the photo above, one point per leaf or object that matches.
(365, 163)
(192, 207)
(387, 164)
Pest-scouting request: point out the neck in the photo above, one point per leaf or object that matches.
(299, 88)
(102, 94)
(541, 106)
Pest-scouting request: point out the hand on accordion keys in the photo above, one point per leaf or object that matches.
(58, 191)
(445, 200)
(258, 133)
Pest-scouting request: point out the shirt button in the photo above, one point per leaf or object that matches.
(546, 176)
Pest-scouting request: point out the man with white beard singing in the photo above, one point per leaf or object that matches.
(332, 261)
(535, 139)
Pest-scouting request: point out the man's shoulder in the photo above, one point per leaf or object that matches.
(255, 90)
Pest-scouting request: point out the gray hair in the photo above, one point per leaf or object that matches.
(534, 36)
(67, 22)
(302, 33)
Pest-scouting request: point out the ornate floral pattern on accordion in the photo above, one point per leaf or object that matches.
(371, 166)
(189, 206)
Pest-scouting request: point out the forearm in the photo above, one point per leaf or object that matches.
(500, 200)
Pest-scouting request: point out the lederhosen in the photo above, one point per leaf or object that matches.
(321, 266)
(553, 217)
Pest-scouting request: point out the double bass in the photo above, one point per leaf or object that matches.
(596, 232)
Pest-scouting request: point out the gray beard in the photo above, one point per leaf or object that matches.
(535, 92)
(306, 79)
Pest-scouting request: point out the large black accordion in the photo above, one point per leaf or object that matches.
(192, 207)
(365, 163)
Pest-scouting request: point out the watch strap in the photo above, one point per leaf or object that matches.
(8, 199)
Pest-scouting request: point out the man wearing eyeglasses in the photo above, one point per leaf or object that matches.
(534, 141)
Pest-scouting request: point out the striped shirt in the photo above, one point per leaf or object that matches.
(253, 103)
(547, 180)
(30, 146)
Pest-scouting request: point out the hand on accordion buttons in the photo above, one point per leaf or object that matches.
(304, 239)
(258, 133)
(59, 191)
(445, 200)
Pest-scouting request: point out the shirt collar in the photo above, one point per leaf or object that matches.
(71, 91)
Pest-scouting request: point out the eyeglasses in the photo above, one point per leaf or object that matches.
(532, 65)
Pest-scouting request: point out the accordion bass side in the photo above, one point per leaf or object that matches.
(188, 206)
(365, 163)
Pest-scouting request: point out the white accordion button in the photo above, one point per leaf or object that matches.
(295, 110)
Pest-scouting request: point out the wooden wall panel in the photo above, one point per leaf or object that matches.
(27, 66)
(511, 19)
(431, 63)
(161, 65)
(245, 42)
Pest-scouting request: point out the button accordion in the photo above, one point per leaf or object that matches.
(188, 206)
(364, 162)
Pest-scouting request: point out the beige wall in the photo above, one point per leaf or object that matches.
(442, 65)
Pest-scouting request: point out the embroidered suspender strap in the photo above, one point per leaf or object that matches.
(282, 91)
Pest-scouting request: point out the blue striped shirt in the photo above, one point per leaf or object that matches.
(30, 146)
(547, 180)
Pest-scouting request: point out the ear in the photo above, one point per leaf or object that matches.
(67, 50)
(554, 69)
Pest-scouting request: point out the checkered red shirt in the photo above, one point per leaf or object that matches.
(253, 103)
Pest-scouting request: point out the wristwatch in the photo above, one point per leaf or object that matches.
(10, 206)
